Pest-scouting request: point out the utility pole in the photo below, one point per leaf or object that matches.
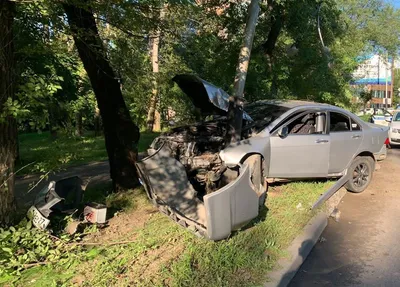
(386, 80)
(153, 122)
(235, 110)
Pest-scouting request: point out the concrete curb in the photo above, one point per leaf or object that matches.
(303, 244)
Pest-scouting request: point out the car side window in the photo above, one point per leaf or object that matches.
(286, 120)
(355, 126)
(339, 123)
(311, 123)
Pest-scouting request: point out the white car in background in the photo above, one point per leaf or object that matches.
(380, 120)
(390, 110)
(394, 130)
(369, 111)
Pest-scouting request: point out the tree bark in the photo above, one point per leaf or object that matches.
(277, 21)
(276, 28)
(121, 134)
(235, 110)
(8, 127)
(53, 122)
(78, 124)
(97, 122)
(152, 118)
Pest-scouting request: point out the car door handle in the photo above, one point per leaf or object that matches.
(356, 137)
(321, 141)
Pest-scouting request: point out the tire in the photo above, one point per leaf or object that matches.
(360, 174)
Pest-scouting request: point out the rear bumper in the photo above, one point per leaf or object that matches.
(394, 138)
(381, 155)
(167, 186)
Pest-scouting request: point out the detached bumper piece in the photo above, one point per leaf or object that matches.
(227, 209)
(63, 196)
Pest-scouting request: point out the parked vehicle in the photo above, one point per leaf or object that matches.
(390, 110)
(369, 111)
(380, 120)
(213, 189)
(394, 130)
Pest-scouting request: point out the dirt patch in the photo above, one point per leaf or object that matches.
(123, 225)
(78, 280)
(143, 267)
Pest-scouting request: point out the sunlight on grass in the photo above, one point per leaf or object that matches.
(49, 154)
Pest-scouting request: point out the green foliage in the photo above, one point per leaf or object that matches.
(396, 88)
(34, 94)
(54, 87)
(366, 96)
(24, 246)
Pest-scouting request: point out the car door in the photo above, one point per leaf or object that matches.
(346, 136)
(299, 154)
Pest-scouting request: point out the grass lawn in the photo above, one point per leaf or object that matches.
(49, 154)
(365, 118)
(161, 253)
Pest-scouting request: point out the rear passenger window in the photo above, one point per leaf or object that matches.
(355, 126)
(339, 123)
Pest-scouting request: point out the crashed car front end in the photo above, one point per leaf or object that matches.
(199, 191)
(185, 177)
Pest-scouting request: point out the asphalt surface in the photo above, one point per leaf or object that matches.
(363, 248)
(27, 187)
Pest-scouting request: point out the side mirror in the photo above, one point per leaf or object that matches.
(283, 132)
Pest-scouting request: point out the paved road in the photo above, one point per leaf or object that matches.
(98, 172)
(363, 248)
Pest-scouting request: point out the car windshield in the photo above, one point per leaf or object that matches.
(264, 114)
(396, 118)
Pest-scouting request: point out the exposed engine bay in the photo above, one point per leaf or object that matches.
(197, 148)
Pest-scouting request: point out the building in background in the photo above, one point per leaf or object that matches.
(375, 75)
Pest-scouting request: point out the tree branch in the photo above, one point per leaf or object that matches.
(277, 20)
(130, 33)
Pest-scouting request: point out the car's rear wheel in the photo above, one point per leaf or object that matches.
(360, 174)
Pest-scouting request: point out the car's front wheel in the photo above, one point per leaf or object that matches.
(360, 174)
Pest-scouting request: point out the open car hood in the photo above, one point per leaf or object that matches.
(208, 98)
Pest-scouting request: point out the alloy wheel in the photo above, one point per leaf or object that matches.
(361, 175)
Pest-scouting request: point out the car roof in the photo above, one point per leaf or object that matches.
(290, 104)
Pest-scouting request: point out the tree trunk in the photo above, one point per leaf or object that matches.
(78, 124)
(52, 122)
(121, 134)
(276, 28)
(235, 110)
(8, 127)
(153, 117)
(277, 20)
(97, 122)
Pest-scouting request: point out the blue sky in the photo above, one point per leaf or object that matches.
(395, 3)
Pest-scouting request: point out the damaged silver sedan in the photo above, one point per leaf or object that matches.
(213, 189)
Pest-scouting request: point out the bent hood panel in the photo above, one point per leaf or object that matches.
(205, 96)
(166, 178)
